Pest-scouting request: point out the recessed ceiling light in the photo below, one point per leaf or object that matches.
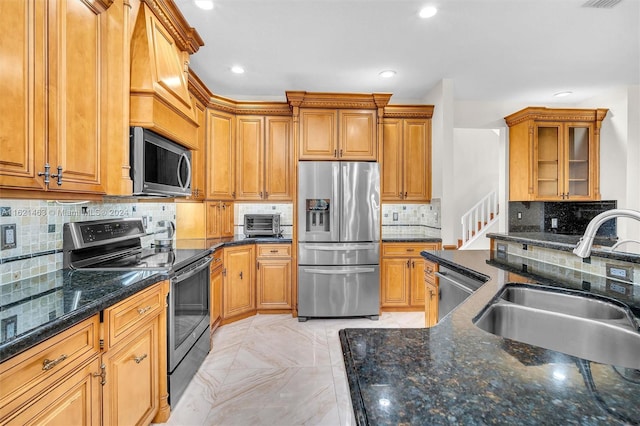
(428, 12)
(562, 94)
(387, 74)
(204, 4)
(237, 69)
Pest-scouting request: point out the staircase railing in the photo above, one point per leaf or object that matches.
(482, 214)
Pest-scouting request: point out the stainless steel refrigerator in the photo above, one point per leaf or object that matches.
(338, 239)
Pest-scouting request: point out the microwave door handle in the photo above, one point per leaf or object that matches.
(186, 159)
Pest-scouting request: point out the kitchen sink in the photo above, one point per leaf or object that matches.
(571, 322)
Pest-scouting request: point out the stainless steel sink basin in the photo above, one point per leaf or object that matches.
(575, 304)
(584, 326)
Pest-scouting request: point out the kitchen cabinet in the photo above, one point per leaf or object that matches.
(264, 158)
(220, 164)
(215, 292)
(198, 155)
(406, 154)
(54, 382)
(273, 278)
(239, 283)
(346, 135)
(554, 154)
(219, 219)
(134, 364)
(402, 276)
(54, 111)
(431, 294)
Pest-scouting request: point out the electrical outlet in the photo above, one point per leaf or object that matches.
(9, 239)
(554, 222)
(395, 216)
(519, 215)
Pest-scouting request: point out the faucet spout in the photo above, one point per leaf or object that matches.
(583, 249)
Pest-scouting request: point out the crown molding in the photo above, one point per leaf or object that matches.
(556, 114)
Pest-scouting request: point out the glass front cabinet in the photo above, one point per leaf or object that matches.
(554, 154)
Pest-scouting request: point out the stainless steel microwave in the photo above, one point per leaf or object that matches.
(159, 166)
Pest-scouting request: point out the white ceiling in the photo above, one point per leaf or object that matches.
(492, 50)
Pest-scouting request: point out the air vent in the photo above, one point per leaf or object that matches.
(601, 4)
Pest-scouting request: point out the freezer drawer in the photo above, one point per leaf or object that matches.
(338, 291)
(339, 253)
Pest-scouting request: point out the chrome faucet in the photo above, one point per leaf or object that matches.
(583, 249)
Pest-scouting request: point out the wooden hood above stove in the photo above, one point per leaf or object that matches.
(161, 43)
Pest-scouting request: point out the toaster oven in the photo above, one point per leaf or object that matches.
(262, 225)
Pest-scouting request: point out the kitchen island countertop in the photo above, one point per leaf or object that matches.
(456, 373)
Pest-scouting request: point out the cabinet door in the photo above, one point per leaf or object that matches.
(431, 305)
(274, 284)
(250, 154)
(417, 160)
(220, 172)
(198, 155)
(278, 159)
(548, 162)
(130, 393)
(73, 400)
(239, 281)
(226, 220)
(214, 214)
(395, 282)
(216, 289)
(417, 282)
(76, 103)
(580, 158)
(357, 141)
(392, 162)
(318, 134)
(22, 23)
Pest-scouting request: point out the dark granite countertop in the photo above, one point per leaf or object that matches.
(566, 243)
(456, 373)
(37, 308)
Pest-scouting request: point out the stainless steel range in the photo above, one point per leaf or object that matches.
(115, 244)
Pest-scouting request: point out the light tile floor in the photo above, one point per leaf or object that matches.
(273, 370)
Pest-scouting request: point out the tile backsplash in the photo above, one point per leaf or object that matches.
(412, 214)
(39, 230)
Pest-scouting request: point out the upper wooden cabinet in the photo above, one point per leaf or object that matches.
(56, 116)
(337, 126)
(554, 154)
(264, 158)
(199, 95)
(220, 147)
(219, 218)
(161, 43)
(406, 153)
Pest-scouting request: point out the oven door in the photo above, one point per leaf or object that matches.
(188, 311)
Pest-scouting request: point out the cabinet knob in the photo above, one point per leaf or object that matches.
(261, 194)
(46, 173)
(58, 176)
(240, 274)
(408, 263)
(335, 153)
(102, 374)
(340, 153)
(405, 195)
(413, 264)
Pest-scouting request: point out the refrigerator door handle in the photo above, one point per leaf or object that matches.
(340, 248)
(336, 209)
(338, 271)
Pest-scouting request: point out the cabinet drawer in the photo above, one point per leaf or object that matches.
(218, 257)
(274, 250)
(430, 269)
(124, 317)
(31, 372)
(406, 249)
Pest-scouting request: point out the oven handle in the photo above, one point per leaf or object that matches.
(454, 282)
(191, 272)
(338, 271)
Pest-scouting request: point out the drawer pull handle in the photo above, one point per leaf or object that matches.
(273, 251)
(48, 364)
(138, 359)
(410, 249)
(143, 311)
(102, 374)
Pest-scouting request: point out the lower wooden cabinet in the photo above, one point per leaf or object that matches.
(431, 294)
(273, 278)
(402, 276)
(239, 283)
(215, 290)
(54, 382)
